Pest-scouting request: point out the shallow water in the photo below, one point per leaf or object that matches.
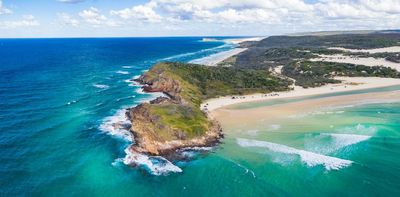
(59, 97)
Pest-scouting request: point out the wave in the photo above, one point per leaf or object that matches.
(101, 86)
(125, 98)
(117, 125)
(139, 90)
(155, 165)
(126, 66)
(358, 129)
(122, 72)
(343, 140)
(72, 102)
(309, 158)
(326, 143)
(195, 53)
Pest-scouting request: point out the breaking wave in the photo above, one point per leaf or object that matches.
(117, 125)
(101, 86)
(155, 165)
(309, 158)
(122, 72)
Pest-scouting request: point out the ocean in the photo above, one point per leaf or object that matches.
(60, 100)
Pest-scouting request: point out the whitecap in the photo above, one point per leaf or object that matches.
(122, 72)
(358, 129)
(124, 98)
(72, 102)
(342, 140)
(155, 165)
(117, 125)
(101, 86)
(126, 66)
(326, 143)
(117, 162)
(175, 57)
(139, 90)
(309, 158)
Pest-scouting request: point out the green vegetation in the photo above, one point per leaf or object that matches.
(185, 122)
(392, 57)
(201, 82)
(190, 84)
(312, 74)
(264, 54)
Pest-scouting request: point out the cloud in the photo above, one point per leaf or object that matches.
(66, 19)
(71, 1)
(96, 19)
(4, 10)
(27, 21)
(141, 12)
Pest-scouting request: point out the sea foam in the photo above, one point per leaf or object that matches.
(117, 125)
(343, 140)
(101, 86)
(122, 72)
(155, 165)
(309, 158)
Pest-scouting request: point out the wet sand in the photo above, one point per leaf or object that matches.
(231, 117)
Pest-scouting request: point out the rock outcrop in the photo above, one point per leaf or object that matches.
(154, 135)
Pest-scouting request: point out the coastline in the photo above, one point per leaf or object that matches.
(215, 59)
(286, 113)
(349, 84)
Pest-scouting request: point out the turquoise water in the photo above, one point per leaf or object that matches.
(59, 97)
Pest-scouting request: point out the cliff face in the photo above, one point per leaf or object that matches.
(161, 83)
(167, 124)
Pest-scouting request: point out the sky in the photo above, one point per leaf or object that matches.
(147, 18)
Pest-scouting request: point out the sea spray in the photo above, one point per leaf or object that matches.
(155, 165)
(101, 86)
(309, 158)
(117, 125)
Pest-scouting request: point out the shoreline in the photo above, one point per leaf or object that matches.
(348, 84)
(215, 59)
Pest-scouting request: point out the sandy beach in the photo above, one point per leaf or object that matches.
(394, 49)
(285, 113)
(348, 84)
(215, 59)
(367, 61)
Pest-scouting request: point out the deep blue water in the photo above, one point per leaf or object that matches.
(59, 99)
(54, 96)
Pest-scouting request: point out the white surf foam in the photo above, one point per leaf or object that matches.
(72, 102)
(117, 125)
(155, 165)
(326, 143)
(343, 140)
(101, 86)
(309, 158)
(126, 66)
(195, 53)
(358, 129)
(122, 72)
(124, 98)
(139, 90)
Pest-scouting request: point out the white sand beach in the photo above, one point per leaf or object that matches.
(367, 61)
(214, 59)
(348, 84)
(394, 49)
(240, 40)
